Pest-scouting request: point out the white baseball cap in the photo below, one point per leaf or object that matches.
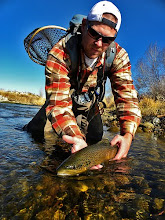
(102, 7)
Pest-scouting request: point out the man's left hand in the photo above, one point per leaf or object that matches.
(124, 143)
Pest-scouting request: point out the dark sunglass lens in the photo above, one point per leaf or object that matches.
(93, 33)
(107, 39)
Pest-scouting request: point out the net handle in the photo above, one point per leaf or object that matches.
(36, 32)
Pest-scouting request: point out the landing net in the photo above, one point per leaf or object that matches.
(39, 42)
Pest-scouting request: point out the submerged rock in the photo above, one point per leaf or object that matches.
(147, 126)
(158, 203)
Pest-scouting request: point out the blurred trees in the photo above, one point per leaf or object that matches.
(150, 73)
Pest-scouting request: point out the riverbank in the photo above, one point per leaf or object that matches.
(153, 117)
(153, 112)
(155, 124)
(21, 98)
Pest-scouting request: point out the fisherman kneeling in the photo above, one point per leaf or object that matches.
(76, 71)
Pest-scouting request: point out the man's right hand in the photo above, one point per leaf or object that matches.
(78, 144)
(77, 141)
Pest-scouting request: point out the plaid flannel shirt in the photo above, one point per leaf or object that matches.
(59, 81)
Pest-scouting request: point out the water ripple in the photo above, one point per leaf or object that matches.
(129, 189)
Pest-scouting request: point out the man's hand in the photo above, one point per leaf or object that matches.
(124, 143)
(77, 141)
(78, 144)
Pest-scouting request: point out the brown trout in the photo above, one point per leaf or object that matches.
(86, 158)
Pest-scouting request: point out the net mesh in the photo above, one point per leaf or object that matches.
(39, 42)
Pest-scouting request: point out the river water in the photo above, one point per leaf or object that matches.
(133, 188)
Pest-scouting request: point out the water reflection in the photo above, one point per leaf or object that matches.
(129, 189)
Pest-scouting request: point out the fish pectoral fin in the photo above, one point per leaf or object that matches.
(96, 167)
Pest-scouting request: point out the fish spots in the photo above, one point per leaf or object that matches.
(86, 158)
(87, 162)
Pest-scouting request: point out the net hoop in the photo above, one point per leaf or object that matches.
(38, 31)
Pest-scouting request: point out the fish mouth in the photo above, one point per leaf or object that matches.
(67, 173)
(62, 174)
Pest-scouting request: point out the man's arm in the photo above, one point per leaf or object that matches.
(126, 101)
(59, 110)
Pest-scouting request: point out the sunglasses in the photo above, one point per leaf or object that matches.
(96, 35)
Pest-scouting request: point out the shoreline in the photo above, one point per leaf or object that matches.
(149, 124)
(18, 103)
(21, 98)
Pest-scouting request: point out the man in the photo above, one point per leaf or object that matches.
(72, 100)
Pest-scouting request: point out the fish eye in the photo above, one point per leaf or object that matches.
(69, 167)
(73, 167)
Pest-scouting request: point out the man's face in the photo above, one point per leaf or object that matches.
(94, 48)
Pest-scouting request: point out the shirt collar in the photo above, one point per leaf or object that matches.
(99, 62)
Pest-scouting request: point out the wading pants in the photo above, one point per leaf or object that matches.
(40, 125)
